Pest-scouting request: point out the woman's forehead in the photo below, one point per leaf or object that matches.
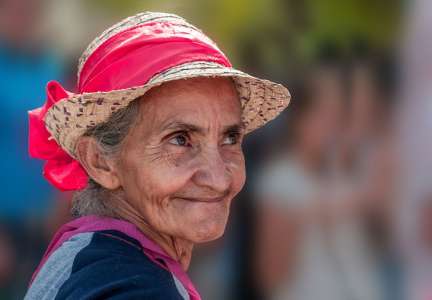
(204, 85)
(197, 102)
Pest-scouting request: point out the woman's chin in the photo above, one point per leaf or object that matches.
(204, 222)
(203, 237)
(208, 230)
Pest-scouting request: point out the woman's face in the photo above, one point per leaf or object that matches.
(182, 162)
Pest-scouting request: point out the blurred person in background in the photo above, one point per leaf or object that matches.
(26, 63)
(413, 211)
(366, 166)
(311, 239)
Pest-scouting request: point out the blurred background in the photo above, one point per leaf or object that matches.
(338, 203)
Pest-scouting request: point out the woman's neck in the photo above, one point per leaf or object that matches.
(177, 248)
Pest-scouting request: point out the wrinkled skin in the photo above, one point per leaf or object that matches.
(180, 165)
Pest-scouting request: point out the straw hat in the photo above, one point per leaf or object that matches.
(68, 119)
(135, 55)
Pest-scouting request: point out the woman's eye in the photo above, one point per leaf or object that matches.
(231, 139)
(179, 140)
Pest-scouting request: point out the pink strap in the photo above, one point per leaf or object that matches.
(95, 223)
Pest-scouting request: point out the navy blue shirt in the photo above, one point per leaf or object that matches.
(103, 265)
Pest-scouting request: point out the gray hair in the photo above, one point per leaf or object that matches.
(94, 199)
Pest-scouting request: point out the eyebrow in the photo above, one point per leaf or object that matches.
(178, 125)
(237, 128)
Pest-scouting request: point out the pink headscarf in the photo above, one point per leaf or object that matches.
(128, 59)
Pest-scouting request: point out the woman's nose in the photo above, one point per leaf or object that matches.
(212, 171)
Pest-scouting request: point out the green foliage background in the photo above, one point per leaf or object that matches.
(279, 35)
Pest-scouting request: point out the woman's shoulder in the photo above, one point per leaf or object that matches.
(101, 265)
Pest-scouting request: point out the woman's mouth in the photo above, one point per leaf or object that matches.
(203, 199)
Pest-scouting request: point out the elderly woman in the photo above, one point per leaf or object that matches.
(151, 142)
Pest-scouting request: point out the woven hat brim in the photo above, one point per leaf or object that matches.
(67, 120)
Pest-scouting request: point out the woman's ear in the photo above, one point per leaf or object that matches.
(98, 165)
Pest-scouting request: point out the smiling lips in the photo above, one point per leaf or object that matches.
(205, 200)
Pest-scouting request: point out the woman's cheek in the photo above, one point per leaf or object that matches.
(236, 166)
(173, 175)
